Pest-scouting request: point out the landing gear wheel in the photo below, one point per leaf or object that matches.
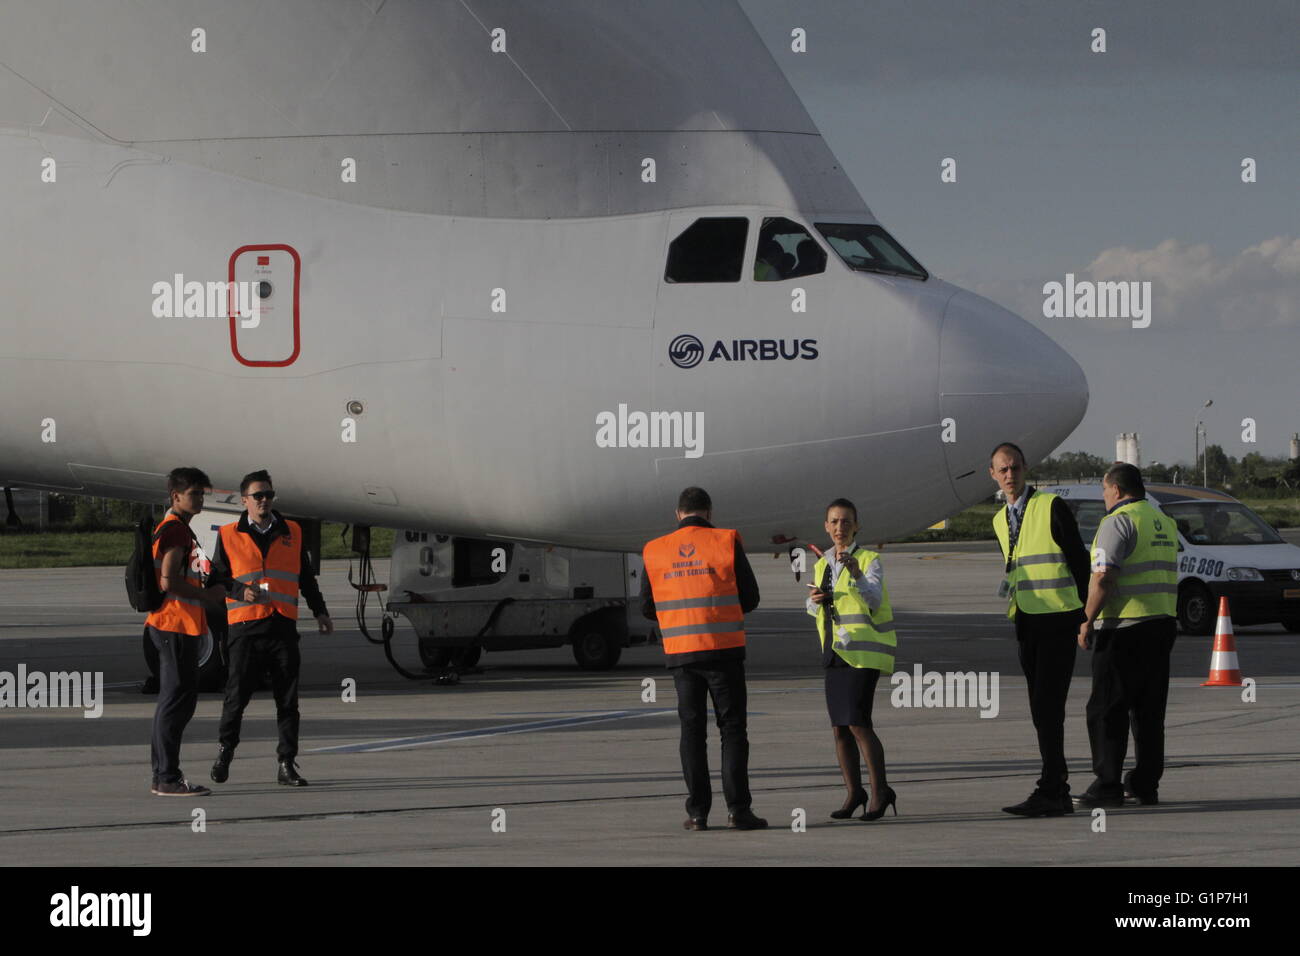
(595, 649)
(212, 652)
(212, 667)
(1195, 609)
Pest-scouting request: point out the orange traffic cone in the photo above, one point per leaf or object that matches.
(1224, 670)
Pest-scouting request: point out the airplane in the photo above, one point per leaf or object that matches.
(521, 272)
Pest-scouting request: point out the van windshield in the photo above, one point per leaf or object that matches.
(1087, 515)
(1220, 522)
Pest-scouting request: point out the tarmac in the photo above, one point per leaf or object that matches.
(533, 762)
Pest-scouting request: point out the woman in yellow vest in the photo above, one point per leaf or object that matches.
(856, 627)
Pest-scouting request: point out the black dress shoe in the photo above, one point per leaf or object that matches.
(1038, 804)
(1142, 797)
(221, 766)
(288, 775)
(1090, 800)
(695, 823)
(745, 820)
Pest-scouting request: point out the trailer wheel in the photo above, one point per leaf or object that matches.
(440, 658)
(597, 642)
(463, 658)
(1195, 609)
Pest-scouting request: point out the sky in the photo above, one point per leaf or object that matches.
(1115, 166)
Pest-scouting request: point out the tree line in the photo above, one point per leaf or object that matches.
(1253, 475)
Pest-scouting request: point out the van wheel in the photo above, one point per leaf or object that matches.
(1195, 611)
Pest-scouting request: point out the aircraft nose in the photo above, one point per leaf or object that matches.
(1001, 379)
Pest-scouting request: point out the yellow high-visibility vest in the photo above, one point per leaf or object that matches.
(1040, 580)
(871, 640)
(1148, 578)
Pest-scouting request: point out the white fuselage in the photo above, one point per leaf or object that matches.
(449, 371)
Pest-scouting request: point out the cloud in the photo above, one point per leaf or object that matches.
(1191, 286)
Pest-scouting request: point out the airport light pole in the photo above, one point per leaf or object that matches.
(1205, 458)
(1198, 431)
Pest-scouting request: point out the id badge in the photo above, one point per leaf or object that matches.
(1004, 589)
(842, 635)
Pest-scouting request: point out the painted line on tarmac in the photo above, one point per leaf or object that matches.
(397, 743)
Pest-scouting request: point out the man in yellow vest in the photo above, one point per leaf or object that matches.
(175, 629)
(263, 561)
(699, 586)
(1046, 575)
(1130, 626)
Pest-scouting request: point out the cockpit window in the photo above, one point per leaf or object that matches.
(786, 251)
(709, 250)
(870, 249)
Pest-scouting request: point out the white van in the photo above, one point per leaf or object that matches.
(1224, 549)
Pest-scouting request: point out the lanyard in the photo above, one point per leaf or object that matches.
(828, 586)
(1013, 535)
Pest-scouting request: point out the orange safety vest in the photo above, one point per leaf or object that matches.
(692, 576)
(279, 569)
(180, 615)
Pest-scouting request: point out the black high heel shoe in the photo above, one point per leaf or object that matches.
(846, 811)
(891, 800)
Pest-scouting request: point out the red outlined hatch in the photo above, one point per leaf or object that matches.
(268, 334)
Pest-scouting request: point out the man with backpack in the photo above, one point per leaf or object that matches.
(175, 627)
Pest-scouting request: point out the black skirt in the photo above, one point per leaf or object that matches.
(848, 695)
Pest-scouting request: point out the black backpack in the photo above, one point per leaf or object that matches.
(141, 581)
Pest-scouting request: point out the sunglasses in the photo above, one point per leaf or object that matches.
(259, 495)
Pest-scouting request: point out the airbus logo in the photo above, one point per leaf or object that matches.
(687, 351)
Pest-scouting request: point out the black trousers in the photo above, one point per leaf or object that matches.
(248, 656)
(178, 693)
(724, 682)
(1047, 644)
(1130, 687)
